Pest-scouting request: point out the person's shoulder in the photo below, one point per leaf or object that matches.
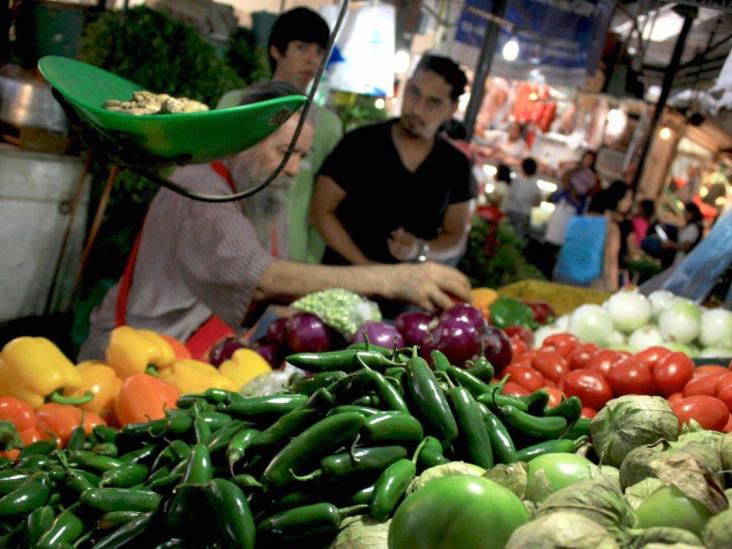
(451, 154)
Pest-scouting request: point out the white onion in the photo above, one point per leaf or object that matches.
(644, 337)
(544, 332)
(660, 299)
(716, 328)
(680, 321)
(563, 323)
(628, 310)
(716, 352)
(591, 324)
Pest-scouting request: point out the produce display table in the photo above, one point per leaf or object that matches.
(563, 298)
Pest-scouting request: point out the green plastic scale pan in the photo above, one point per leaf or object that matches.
(194, 137)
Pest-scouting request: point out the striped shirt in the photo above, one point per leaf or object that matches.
(195, 259)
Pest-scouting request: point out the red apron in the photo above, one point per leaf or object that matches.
(208, 333)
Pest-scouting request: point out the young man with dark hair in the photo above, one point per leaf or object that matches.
(295, 48)
(396, 191)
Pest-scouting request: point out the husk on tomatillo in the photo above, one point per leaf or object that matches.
(361, 532)
(717, 533)
(562, 530)
(671, 546)
(725, 451)
(663, 535)
(631, 421)
(637, 464)
(635, 494)
(597, 500)
(514, 477)
(446, 470)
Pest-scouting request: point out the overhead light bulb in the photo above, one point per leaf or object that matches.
(380, 103)
(510, 50)
(665, 133)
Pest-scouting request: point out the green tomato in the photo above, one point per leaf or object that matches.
(552, 472)
(457, 512)
(668, 506)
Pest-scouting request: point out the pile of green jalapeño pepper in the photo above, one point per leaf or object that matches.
(223, 470)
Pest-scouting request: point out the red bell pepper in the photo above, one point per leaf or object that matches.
(61, 420)
(144, 398)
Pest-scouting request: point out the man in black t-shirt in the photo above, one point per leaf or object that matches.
(396, 191)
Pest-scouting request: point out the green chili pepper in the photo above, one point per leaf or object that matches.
(66, 527)
(219, 396)
(232, 512)
(363, 496)
(163, 483)
(357, 462)
(547, 447)
(106, 449)
(12, 537)
(139, 455)
(365, 346)
(10, 480)
(533, 426)
(388, 394)
(114, 519)
(501, 440)
(345, 360)
(37, 523)
(468, 380)
(102, 433)
(238, 445)
(36, 463)
(215, 420)
(292, 423)
(303, 523)
(473, 435)
(199, 469)
(363, 410)
(221, 438)
(390, 487)
(351, 387)
(125, 476)
(79, 481)
(40, 447)
(247, 481)
(392, 427)
(90, 460)
(482, 369)
(121, 499)
(495, 400)
(255, 407)
(307, 385)
(312, 445)
(570, 409)
(367, 400)
(506, 312)
(579, 429)
(202, 430)
(431, 454)
(76, 440)
(536, 401)
(174, 543)
(34, 492)
(127, 534)
(439, 361)
(427, 396)
(397, 376)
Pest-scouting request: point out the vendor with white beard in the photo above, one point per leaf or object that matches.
(197, 267)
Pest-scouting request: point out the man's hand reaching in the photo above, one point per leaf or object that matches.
(403, 245)
(427, 285)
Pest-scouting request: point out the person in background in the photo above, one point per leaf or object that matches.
(639, 226)
(227, 256)
(501, 184)
(296, 47)
(396, 191)
(523, 194)
(512, 147)
(689, 235)
(583, 178)
(566, 204)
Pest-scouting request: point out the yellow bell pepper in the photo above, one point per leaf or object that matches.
(243, 366)
(102, 382)
(33, 368)
(194, 376)
(131, 351)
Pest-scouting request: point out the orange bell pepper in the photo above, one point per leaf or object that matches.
(102, 382)
(180, 351)
(62, 419)
(144, 398)
(131, 351)
(17, 412)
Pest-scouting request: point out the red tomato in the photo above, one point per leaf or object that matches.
(702, 385)
(672, 373)
(514, 389)
(652, 355)
(523, 360)
(555, 396)
(551, 364)
(709, 412)
(550, 383)
(630, 377)
(17, 412)
(588, 413)
(603, 361)
(728, 427)
(725, 395)
(519, 331)
(589, 386)
(674, 398)
(581, 355)
(563, 343)
(701, 371)
(518, 345)
(525, 376)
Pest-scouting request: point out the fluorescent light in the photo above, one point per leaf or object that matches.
(546, 186)
(510, 50)
(380, 103)
(489, 188)
(665, 133)
(401, 61)
(489, 170)
(547, 207)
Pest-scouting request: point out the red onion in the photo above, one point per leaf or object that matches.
(414, 327)
(463, 312)
(223, 349)
(307, 333)
(271, 352)
(379, 333)
(276, 331)
(458, 340)
(496, 347)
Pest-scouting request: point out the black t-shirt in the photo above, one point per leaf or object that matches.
(382, 195)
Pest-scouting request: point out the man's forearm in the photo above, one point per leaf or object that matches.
(335, 236)
(447, 245)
